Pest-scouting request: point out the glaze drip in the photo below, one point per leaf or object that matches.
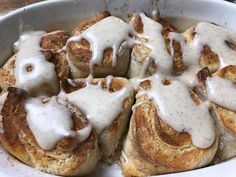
(110, 32)
(177, 108)
(221, 91)
(100, 105)
(51, 122)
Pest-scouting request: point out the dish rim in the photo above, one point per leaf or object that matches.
(209, 169)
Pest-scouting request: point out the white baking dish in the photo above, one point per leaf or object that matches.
(64, 14)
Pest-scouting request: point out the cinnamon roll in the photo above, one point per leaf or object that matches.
(220, 89)
(99, 46)
(203, 45)
(107, 105)
(66, 102)
(47, 135)
(24, 68)
(150, 51)
(171, 130)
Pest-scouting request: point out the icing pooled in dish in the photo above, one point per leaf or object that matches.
(100, 105)
(33, 72)
(50, 122)
(177, 108)
(222, 92)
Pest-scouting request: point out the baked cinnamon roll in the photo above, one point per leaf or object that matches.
(47, 135)
(170, 130)
(36, 59)
(220, 89)
(203, 45)
(107, 105)
(150, 51)
(99, 46)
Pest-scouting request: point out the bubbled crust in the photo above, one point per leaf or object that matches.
(140, 53)
(79, 54)
(110, 137)
(21, 143)
(226, 119)
(153, 147)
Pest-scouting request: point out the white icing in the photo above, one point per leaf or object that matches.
(176, 108)
(109, 81)
(222, 92)
(100, 106)
(84, 133)
(215, 37)
(190, 57)
(152, 31)
(50, 122)
(43, 75)
(110, 32)
(209, 35)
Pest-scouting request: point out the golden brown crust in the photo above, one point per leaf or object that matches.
(61, 65)
(55, 40)
(80, 53)
(20, 142)
(153, 147)
(178, 65)
(86, 24)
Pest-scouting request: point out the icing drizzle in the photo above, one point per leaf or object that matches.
(174, 101)
(221, 91)
(152, 31)
(50, 122)
(33, 72)
(177, 108)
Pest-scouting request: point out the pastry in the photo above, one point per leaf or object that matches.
(220, 89)
(22, 68)
(99, 46)
(47, 135)
(202, 45)
(107, 105)
(171, 130)
(66, 103)
(150, 51)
